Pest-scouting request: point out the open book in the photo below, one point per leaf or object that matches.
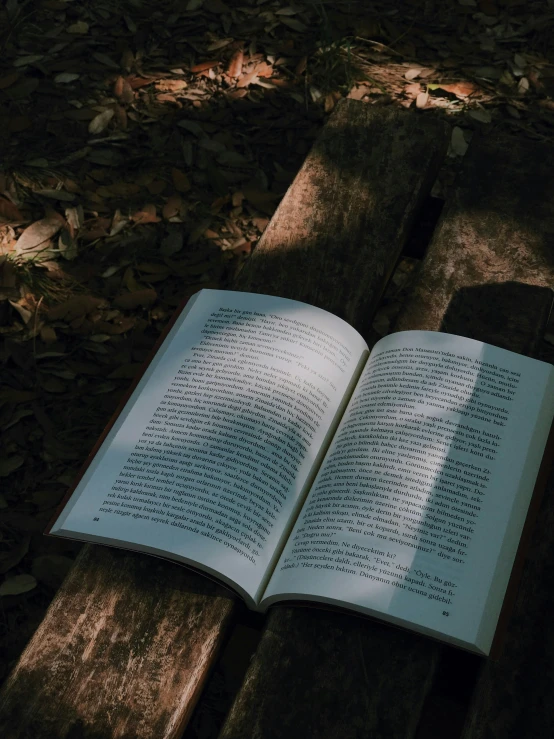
(266, 447)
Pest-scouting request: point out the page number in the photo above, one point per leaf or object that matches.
(445, 613)
(96, 519)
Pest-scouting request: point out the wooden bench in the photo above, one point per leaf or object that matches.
(129, 641)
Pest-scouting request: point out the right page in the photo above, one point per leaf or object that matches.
(417, 510)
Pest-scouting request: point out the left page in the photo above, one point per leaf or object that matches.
(214, 451)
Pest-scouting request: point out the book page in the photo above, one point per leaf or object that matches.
(417, 509)
(211, 454)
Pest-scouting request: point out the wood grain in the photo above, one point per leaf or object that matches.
(323, 675)
(128, 641)
(506, 260)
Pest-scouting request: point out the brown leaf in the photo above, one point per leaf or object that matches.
(247, 79)
(147, 214)
(9, 211)
(121, 117)
(172, 206)
(165, 97)
(136, 82)
(127, 59)
(156, 187)
(203, 66)
(39, 233)
(170, 85)
(460, 89)
(48, 334)
(263, 69)
(180, 180)
(94, 229)
(235, 64)
(74, 308)
(128, 301)
(123, 90)
(124, 188)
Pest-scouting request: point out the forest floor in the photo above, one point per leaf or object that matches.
(145, 147)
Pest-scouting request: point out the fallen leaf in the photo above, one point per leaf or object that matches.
(203, 66)
(422, 99)
(67, 246)
(147, 214)
(123, 90)
(17, 584)
(264, 201)
(99, 122)
(9, 211)
(125, 371)
(121, 117)
(165, 97)
(172, 207)
(51, 569)
(458, 144)
(105, 59)
(10, 464)
(118, 223)
(56, 194)
(24, 312)
(23, 61)
(170, 85)
(129, 301)
(412, 73)
(24, 88)
(219, 44)
(460, 89)
(235, 64)
(80, 27)
(48, 334)
(180, 180)
(66, 77)
(216, 6)
(74, 307)
(15, 555)
(172, 243)
(39, 232)
(247, 79)
(136, 82)
(8, 80)
(294, 24)
(480, 114)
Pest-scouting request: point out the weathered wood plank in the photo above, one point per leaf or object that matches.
(127, 643)
(492, 245)
(354, 678)
(335, 239)
(513, 235)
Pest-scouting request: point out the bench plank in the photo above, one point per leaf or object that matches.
(354, 678)
(128, 641)
(513, 696)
